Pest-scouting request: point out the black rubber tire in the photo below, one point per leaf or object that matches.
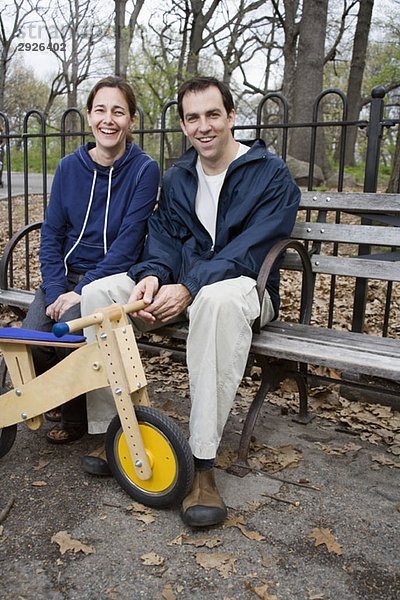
(174, 445)
(7, 434)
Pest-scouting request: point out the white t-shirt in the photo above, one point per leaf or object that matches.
(208, 194)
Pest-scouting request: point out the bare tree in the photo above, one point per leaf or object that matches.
(357, 73)
(74, 29)
(124, 32)
(288, 19)
(201, 17)
(308, 79)
(241, 35)
(13, 15)
(185, 29)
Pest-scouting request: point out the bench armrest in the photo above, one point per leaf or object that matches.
(271, 258)
(9, 249)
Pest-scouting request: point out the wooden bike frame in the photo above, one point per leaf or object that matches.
(113, 360)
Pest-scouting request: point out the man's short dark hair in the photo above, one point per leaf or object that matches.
(199, 84)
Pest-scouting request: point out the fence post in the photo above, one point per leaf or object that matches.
(374, 137)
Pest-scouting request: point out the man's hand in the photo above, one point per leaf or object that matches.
(167, 302)
(64, 301)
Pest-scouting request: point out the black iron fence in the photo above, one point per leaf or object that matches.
(165, 142)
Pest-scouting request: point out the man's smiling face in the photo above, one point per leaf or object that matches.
(208, 127)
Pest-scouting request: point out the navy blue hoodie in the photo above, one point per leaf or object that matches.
(96, 220)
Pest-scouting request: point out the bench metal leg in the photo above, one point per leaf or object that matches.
(272, 375)
(304, 415)
(270, 379)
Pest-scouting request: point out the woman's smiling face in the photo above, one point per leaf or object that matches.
(110, 120)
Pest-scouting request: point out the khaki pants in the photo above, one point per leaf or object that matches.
(220, 320)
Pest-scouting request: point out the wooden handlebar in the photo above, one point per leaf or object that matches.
(114, 313)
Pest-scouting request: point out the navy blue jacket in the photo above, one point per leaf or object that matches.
(257, 206)
(96, 220)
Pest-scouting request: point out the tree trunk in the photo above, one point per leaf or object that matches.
(124, 34)
(291, 30)
(309, 79)
(120, 44)
(200, 21)
(3, 73)
(356, 74)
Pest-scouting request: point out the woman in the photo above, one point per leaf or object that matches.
(101, 198)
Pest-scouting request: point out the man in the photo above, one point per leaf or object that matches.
(223, 205)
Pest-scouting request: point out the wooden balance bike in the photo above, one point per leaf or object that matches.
(147, 453)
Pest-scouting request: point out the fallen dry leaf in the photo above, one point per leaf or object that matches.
(137, 507)
(337, 451)
(325, 536)
(41, 465)
(197, 541)
(225, 458)
(113, 593)
(385, 460)
(273, 460)
(262, 591)
(240, 522)
(39, 483)
(146, 519)
(152, 559)
(168, 593)
(223, 563)
(66, 542)
(141, 512)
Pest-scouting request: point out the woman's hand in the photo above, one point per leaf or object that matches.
(64, 301)
(145, 290)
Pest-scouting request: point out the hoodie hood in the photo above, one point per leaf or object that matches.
(131, 152)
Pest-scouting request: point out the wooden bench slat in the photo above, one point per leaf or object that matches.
(356, 267)
(348, 234)
(378, 360)
(369, 268)
(361, 202)
(358, 341)
(16, 297)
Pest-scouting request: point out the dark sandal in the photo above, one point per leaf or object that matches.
(62, 434)
(54, 416)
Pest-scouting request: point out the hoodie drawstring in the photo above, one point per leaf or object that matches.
(107, 208)
(84, 223)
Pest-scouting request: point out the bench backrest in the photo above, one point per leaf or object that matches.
(353, 235)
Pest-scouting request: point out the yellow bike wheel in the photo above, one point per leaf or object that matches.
(169, 456)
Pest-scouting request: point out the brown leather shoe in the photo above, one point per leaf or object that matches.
(96, 463)
(203, 506)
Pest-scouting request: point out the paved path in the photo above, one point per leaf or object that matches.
(35, 184)
(266, 549)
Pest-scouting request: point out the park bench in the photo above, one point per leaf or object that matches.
(345, 237)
